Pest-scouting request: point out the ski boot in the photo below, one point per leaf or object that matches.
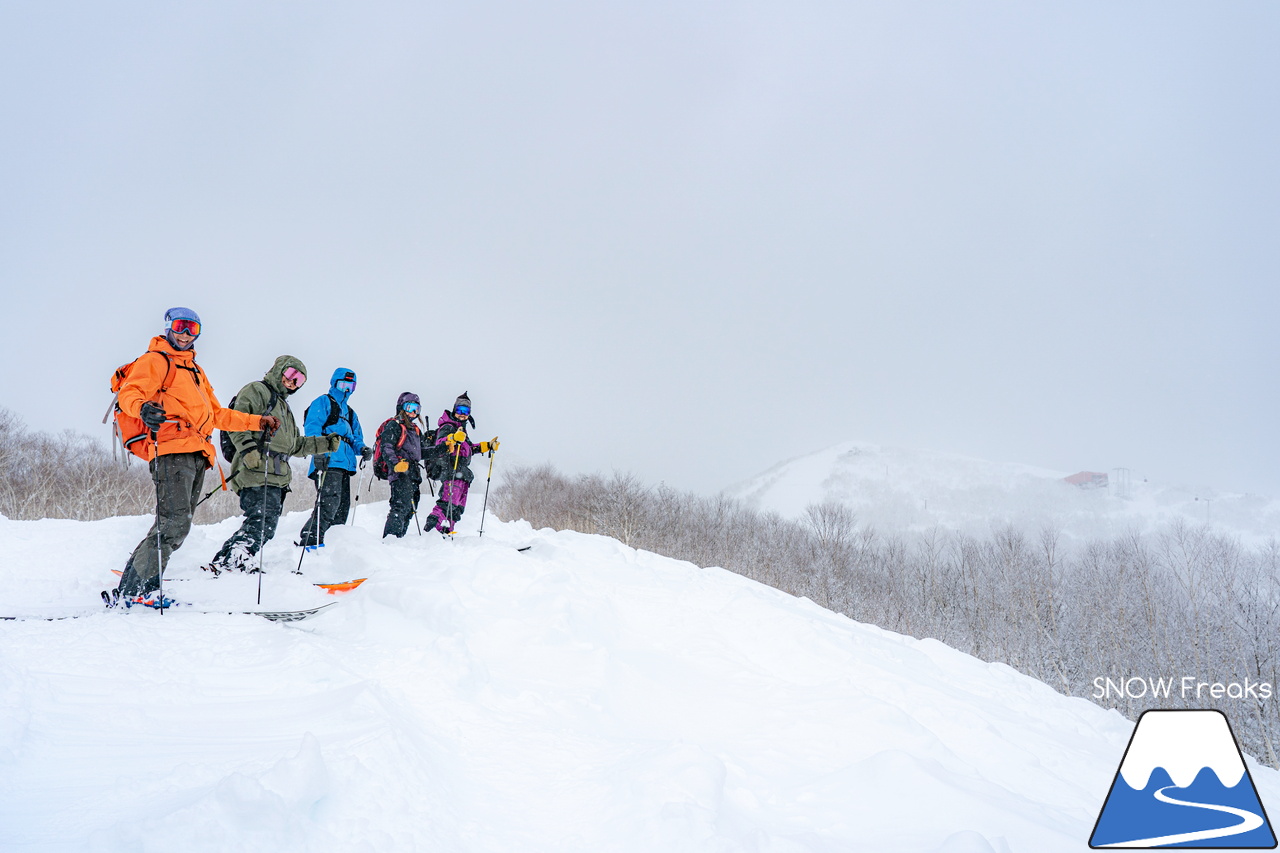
(152, 599)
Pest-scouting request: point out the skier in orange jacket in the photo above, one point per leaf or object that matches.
(172, 396)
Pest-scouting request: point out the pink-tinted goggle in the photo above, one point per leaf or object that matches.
(295, 375)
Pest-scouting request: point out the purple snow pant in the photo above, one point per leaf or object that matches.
(449, 506)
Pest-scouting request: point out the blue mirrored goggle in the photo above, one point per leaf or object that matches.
(462, 410)
(412, 408)
(345, 385)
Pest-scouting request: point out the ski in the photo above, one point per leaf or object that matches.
(331, 588)
(284, 615)
(273, 615)
(37, 618)
(338, 588)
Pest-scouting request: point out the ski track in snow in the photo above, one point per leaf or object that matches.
(582, 696)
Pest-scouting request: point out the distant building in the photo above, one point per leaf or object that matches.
(1088, 480)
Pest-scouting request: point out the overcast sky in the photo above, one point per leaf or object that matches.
(685, 239)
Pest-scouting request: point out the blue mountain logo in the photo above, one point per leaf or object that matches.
(1183, 783)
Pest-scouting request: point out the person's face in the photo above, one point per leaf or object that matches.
(293, 379)
(183, 332)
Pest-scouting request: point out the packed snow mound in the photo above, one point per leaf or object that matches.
(896, 490)
(470, 696)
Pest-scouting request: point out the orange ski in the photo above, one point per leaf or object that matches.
(345, 586)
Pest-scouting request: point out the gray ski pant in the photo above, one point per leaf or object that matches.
(179, 479)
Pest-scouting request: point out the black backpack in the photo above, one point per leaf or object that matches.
(433, 456)
(335, 415)
(224, 438)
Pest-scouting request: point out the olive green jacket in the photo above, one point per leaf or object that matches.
(255, 465)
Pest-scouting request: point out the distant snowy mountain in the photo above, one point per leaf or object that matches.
(577, 696)
(895, 489)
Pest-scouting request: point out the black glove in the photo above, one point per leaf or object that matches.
(321, 461)
(152, 415)
(366, 453)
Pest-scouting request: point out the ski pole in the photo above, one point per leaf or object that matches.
(417, 500)
(485, 508)
(262, 544)
(315, 517)
(359, 480)
(155, 443)
(457, 454)
(212, 492)
(116, 441)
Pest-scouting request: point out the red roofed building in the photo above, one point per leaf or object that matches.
(1088, 480)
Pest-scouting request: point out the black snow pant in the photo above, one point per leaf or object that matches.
(261, 506)
(334, 492)
(179, 477)
(405, 494)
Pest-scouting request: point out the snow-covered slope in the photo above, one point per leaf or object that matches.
(897, 489)
(578, 696)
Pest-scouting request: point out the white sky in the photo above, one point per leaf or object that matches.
(684, 239)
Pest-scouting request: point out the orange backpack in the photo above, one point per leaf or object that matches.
(129, 432)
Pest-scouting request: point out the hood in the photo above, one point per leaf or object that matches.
(160, 343)
(275, 376)
(338, 375)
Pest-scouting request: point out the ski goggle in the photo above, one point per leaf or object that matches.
(345, 385)
(412, 408)
(185, 327)
(295, 375)
(462, 410)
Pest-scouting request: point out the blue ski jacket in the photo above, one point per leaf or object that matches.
(330, 414)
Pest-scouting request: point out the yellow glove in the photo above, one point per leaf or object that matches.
(460, 436)
(486, 446)
(401, 466)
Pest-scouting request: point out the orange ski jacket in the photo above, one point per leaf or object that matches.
(192, 411)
